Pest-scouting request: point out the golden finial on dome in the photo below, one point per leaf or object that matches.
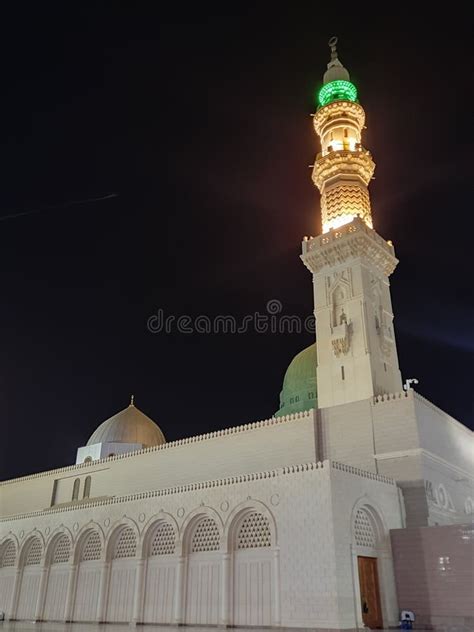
(132, 398)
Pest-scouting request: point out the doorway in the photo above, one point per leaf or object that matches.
(369, 592)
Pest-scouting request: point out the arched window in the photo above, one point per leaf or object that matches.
(8, 554)
(88, 459)
(364, 532)
(62, 550)
(126, 545)
(87, 487)
(254, 532)
(75, 489)
(205, 536)
(33, 554)
(163, 542)
(92, 548)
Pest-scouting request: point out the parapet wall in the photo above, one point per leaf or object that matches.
(273, 443)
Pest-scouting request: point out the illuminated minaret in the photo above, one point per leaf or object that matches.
(350, 262)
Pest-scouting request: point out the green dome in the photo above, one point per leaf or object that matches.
(299, 392)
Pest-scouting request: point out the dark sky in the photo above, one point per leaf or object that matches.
(199, 120)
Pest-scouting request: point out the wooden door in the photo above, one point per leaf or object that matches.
(369, 592)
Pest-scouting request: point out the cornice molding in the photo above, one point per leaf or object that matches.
(400, 454)
(351, 241)
(320, 466)
(338, 110)
(337, 164)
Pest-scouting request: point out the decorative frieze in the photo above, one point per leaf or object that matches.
(351, 241)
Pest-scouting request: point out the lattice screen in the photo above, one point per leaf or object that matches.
(62, 550)
(163, 542)
(363, 529)
(92, 548)
(9, 555)
(205, 537)
(34, 553)
(126, 545)
(254, 532)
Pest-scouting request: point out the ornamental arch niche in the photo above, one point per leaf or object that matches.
(252, 542)
(59, 547)
(31, 558)
(160, 550)
(372, 564)
(58, 554)
(8, 551)
(339, 293)
(202, 537)
(122, 550)
(8, 560)
(88, 555)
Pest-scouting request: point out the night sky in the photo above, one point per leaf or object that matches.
(199, 121)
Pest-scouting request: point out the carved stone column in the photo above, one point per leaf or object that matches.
(276, 587)
(179, 591)
(71, 588)
(41, 593)
(138, 596)
(15, 594)
(225, 588)
(103, 591)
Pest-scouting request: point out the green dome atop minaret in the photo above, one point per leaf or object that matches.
(299, 392)
(337, 85)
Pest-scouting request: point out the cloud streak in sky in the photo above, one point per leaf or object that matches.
(15, 214)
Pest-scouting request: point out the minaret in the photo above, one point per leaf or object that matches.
(351, 263)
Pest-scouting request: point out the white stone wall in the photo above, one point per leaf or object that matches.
(388, 512)
(262, 445)
(430, 454)
(301, 577)
(407, 438)
(443, 435)
(346, 434)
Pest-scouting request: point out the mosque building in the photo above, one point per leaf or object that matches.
(308, 519)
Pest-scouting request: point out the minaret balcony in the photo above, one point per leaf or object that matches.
(343, 162)
(348, 242)
(336, 111)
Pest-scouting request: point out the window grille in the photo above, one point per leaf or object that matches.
(205, 537)
(33, 555)
(254, 532)
(62, 550)
(126, 545)
(363, 529)
(163, 542)
(92, 548)
(9, 554)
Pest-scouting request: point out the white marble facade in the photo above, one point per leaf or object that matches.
(273, 548)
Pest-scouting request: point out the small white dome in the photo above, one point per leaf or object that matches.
(335, 71)
(128, 426)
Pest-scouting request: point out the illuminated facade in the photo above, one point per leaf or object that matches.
(350, 262)
(343, 169)
(308, 519)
